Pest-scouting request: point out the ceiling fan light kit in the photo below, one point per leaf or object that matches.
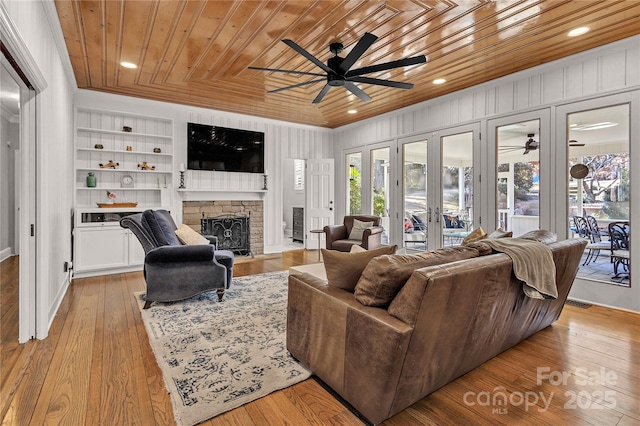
(338, 69)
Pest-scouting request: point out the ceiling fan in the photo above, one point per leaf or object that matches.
(338, 69)
(530, 145)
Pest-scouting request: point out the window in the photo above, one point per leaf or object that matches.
(298, 175)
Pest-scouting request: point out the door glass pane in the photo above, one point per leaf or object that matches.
(599, 191)
(354, 183)
(380, 175)
(457, 187)
(518, 171)
(415, 195)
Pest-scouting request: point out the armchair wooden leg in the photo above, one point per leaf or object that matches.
(220, 295)
(147, 304)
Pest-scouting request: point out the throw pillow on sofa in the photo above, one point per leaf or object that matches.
(188, 236)
(384, 276)
(499, 233)
(358, 229)
(541, 236)
(475, 235)
(344, 269)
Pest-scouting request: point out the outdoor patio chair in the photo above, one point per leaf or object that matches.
(619, 234)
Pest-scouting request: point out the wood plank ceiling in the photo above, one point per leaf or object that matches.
(197, 52)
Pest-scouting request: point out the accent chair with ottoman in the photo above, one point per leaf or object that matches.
(179, 263)
(361, 230)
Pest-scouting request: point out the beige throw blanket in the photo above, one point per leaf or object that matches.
(532, 264)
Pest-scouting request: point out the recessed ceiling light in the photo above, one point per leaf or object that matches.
(128, 65)
(439, 81)
(578, 31)
(352, 111)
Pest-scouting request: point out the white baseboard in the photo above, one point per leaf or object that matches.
(6, 253)
(56, 305)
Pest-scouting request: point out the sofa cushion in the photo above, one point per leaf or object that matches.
(384, 276)
(357, 249)
(188, 236)
(541, 236)
(344, 269)
(499, 233)
(358, 229)
(475, 235)
(483, 248)
(162, 227)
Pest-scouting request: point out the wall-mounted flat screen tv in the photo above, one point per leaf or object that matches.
(224, 149)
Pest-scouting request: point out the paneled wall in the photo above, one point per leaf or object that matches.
(609, 70)
(54, 168)
(282, 141)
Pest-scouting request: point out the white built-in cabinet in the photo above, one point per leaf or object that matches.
(128, 142)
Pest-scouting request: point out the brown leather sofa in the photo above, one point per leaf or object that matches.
(445, 321)
(337, 236)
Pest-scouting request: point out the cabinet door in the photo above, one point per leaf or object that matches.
(101, 248)
(136, 252)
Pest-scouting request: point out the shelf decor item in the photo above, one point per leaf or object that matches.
(157, 150)
(98, 146)
(126, 181)
(91, 180)
(182, 169)
(126, 129)
(116, 205)
(112, 197)
(145, 166)
(110, 165)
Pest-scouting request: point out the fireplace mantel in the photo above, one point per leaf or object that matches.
(221, 194)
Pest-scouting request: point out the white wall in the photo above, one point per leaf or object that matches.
(607, 70)
(282, 140)
(54, 170)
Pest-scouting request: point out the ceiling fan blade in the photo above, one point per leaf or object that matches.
(307, 55)
(388, 65)
(296, 85)
(380, 82)
(358, 50)
(323, 92)
(287, 71)
(511, 146)
(357, 91)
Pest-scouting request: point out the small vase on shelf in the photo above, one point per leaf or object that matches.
(91, 180)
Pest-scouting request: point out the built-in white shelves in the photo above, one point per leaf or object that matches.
(138, 146)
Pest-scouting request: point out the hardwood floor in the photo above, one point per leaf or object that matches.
(96, 367)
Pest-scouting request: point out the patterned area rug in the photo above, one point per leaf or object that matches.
(218, 356)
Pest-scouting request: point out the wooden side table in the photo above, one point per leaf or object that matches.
(319, 232)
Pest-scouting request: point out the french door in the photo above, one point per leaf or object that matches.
(520, 173)
(438, 187)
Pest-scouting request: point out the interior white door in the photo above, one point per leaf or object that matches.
(319, 199)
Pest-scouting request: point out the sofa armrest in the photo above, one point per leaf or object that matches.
(351, 347)
(372, 237)
(180, 254)
(334, 233)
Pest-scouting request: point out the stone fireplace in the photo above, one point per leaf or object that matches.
(194, 211)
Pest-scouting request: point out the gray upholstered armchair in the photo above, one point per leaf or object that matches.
(174, 271)
(341, 238)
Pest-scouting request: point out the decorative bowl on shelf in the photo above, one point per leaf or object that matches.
(116, 205)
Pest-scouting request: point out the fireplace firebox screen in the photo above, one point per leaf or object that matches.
(229, 232)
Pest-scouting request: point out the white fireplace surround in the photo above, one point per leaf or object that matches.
(221, 194)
